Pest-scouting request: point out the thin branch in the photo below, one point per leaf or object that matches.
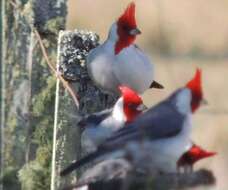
(66, 85)
(64, 82)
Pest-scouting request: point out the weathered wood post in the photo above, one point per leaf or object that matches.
(2, 13)
(29, 92)
(73, 49)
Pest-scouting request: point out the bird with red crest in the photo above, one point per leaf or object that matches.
(196, 90)
(118, 61)
(191, 156)
(159, 136)
(98, 126)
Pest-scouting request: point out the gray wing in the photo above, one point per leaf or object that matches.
(161, 121)
(95, 118)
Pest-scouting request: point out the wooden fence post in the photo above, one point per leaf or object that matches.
(28, 106)
(2, 68)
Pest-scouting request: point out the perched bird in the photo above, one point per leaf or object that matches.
(118, 61)
(191, 156)
(98, 126)
(158, 137)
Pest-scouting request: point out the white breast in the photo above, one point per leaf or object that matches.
(92, 136)
(99, 64)
(134, 69)
(130, 67)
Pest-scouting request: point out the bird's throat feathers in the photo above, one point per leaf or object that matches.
(123, 42)
(123, 113)
(118, 112)
(130, 114)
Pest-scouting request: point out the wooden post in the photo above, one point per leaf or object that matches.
(2, 85)
(29, 90)
(73, 49)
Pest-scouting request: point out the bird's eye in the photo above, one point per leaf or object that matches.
(132, 106)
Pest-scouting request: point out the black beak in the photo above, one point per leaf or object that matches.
(135, 32)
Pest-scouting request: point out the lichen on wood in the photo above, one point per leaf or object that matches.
(30, 89)
(2, 85)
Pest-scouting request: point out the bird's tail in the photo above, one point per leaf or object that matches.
(157, 85)
(77, 164)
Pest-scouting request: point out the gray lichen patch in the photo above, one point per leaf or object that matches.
(75, 48)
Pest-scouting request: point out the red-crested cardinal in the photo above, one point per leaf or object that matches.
(191, 156)
(157, 137)
(99, 126)
(118, 61)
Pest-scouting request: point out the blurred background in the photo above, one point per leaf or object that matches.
(179, 35)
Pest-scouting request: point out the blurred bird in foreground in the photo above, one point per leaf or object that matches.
(105, 171)
(99, 126)
(158, 137)
(118, 172)
(118, 61)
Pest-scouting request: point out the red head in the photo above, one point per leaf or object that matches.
(197, 153)
(196, 89)
(132, 103)
(194, 154)
(126, 28)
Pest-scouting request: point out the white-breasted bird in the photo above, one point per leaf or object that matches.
(99, 126)
(158, 137)
(118, 61)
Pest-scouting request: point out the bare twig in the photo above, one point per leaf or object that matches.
(51, 65)
(64, 82)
